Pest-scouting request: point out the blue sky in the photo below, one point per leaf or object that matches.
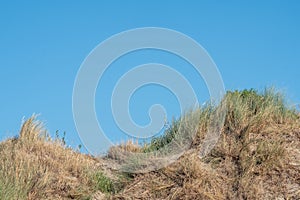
(43, 43)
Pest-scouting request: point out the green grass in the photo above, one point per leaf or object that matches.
(103, 183)
(243, 109)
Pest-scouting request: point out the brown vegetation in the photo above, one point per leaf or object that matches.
(257, 157)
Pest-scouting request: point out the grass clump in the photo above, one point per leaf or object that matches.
(249, 108)
(103, 183)
(183, 130)
(32, 166)
(256, 157)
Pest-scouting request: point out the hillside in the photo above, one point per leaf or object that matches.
(256, 157)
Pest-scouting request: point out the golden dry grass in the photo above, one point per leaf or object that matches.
(257, 157)
(33, 166)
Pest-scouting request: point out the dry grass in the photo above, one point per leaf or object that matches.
(189, 178)
(33, 166)
(256, 157)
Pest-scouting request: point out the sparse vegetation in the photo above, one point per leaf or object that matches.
(257, 157)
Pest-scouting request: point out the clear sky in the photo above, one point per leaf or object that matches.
(43, 43)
